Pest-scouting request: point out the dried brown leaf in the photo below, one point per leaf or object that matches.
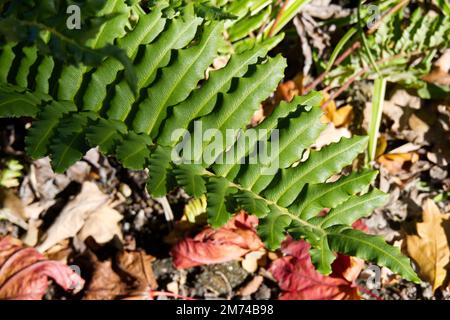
(430, 247)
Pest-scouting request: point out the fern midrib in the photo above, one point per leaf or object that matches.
(314, 167)
(270, 127)
(335, 187)
(284, 210)
(67, 147)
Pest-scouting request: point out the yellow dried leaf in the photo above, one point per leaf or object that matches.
(394, 162)
(341, 117)
(430, 248)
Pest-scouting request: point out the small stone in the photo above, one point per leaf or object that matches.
(438, 173)
(125, 190)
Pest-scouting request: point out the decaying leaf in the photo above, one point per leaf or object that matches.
(298, 279)
(82, 214)
(395, 162)
(129, 275)
(11, 208)
(24, 272)
(235, 239)
(251, 259)
(440, 73)
(430, 247)
(102, 225)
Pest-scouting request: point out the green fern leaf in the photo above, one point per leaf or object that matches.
(134, 151)
(69, 144)
(317, 168)
(353, 209)
(216, 210)
(158, 166)
(106, 134)
(272, 228)
(16, 102)
(248, 202)
(370, 248)
(329, 195)
(189, 177)
(41, 132)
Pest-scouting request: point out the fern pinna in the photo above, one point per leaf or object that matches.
(79, 108)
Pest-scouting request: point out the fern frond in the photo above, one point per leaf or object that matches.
(143, 128)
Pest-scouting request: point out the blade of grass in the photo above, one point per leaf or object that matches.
(347, 36)
(379, 90)
(364, 39)
(444, 6)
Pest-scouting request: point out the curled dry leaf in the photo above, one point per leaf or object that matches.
(237, 238)
(89, 213)
(430, 247)
(298, 279)
(102, 225)
(24, 272)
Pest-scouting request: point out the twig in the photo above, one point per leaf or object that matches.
(392, 10)
(345, 86)
(167, 209)
(370, 293)
(341, 58)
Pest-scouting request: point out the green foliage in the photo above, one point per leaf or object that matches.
(44, 24)
(247, 21)
(172, 93)
(401, 50)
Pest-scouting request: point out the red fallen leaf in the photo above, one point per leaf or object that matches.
(298, 279)
(24, 272)
(235, 239)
